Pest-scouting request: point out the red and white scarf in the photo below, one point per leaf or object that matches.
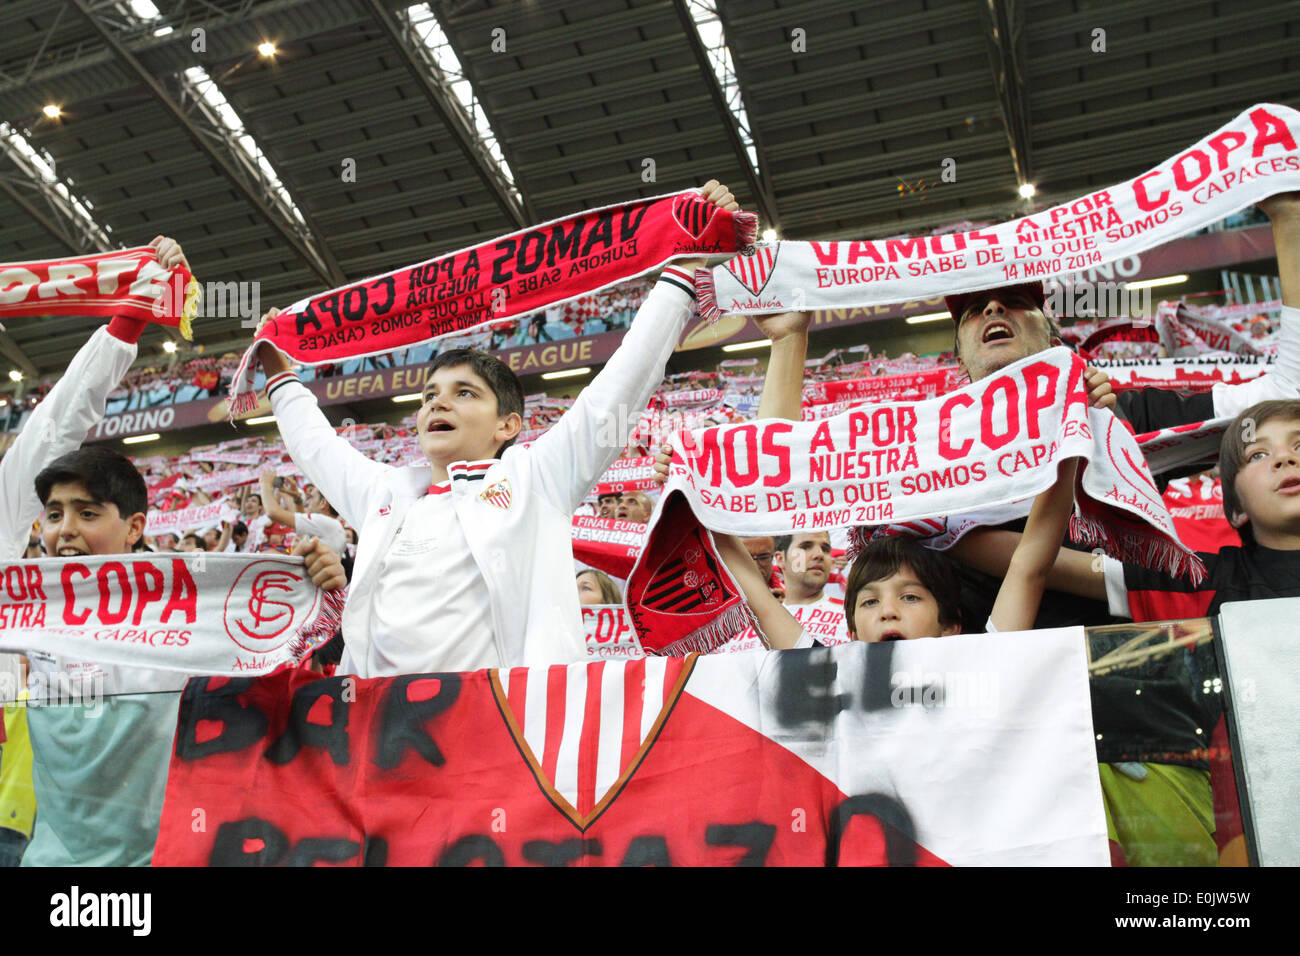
(126, 282)
(1248, 159)
(506, 278)
(223, 614)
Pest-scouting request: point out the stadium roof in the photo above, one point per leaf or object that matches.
(849, 110)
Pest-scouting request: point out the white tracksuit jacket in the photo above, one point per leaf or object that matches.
(524, 550)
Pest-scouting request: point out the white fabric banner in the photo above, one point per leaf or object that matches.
(1248, 159)
(221, 614)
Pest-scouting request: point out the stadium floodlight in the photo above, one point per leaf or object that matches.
(139, 439)
(1152, 283)
(769, 235)
(409, 397)
(746, 346)
(15, 375)
(567, 373)
(169, 346)
(52, 111)
(267, 49)
(928, 317)
(1027, 190)
(260, 420)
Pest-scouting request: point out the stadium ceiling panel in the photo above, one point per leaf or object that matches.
(853, 108)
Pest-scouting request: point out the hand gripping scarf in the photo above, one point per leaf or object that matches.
(221, 614)
(126, 282)
(1252, 157)
(509, 277)
(988, 448)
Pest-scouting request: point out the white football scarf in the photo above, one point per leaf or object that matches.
(217, 614)
(988, 448)
(1248, 159)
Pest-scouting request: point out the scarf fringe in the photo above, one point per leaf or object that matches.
(1136, 546)
(711, 636)
(328, 620)
(706, 296)
(746, 232)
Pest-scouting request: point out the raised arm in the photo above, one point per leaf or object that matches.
(783, 383)
(344, 475)
(575, 452)
(271, 499)
(777, 624)
(1035, 554)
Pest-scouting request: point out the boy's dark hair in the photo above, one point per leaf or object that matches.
(1232, 452)
(883, 557)
(198, 541)
(505, 384)
(239, 528)
(108, 477)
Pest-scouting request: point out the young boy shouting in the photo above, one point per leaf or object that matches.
(99, 777)
(466, 562)
(899, 590)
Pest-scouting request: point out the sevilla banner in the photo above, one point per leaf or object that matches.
(991, 443)
(1183, 374)
(964, 751)
(607, 544)
(506, 278)
(609, 630)
(196, 613)
(185, 519)
(628, 474)
(1248, 159)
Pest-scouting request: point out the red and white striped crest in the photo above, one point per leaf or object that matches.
(585, 728)
(693, 214)
(498, 494)
(752, 271)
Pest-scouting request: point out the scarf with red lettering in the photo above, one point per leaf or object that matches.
(986, 448)
(126, 282)
(1248, 159)
(1196, 443)
(509, 277)
(222, 614)
(1189, 331)
(607, 544)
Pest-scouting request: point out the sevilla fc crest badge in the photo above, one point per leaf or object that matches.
(497, 494)
(753, 271)
(693, 214)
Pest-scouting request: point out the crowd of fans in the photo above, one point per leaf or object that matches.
(319, 484)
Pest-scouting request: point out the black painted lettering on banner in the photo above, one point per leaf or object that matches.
(375, 852)
(562, 853)
(755, 836)
(240, 726)
(804, 679)
(312, 850)
(894, 820)
(473, 848)
(300, 732)
(237, 842)
(647, 851)
(401, 721)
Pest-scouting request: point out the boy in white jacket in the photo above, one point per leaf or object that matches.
(466, 562)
